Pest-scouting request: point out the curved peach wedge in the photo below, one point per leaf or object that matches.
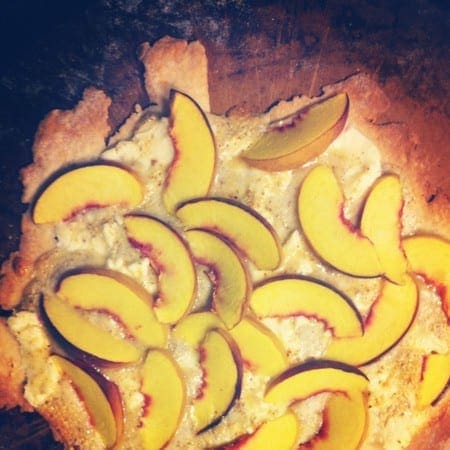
(389, 318)
(105, 411)
(289, 296)
(283, 430)
(344, 422)
(87, 187)
(434, 379)
(334, 239)
(193, 328)
(88, 338)
(192, 169)
(221, 364)
(164, 399)
(429, 257)
(171, 260)
(381, 223)
(294, 140)
(312, 377)
(232, 285)
(261, 351)
(238, 224)
(118, 295)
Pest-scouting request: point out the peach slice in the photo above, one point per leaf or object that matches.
(193, 328)
(66, 322)
(164, 392)
(294, 140)
(87, 187)
(389, 318)
(192, 169)
(232, 284)
(312, 377)
(335, 240)
(344, 422)
(381, 223)
(261, 351)
(238, 224)
(100, 397)
(221, 364)
(429, 257)
(434, 380)
(283, 430)
(171, 260)
(295, 296)
(118, 295)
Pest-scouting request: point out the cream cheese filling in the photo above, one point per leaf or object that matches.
(357, 164)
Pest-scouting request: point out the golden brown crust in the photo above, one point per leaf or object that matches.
(166, 64)
(12, 373)
(436, 434)
(66, 137)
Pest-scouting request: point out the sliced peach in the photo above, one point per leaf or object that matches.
(331, 235)
(104, 406)
(83, 335)
(294, 140)
(87, 187)
(381, 223)
(389, 319)
(232, 284)
(118, 295)
(295, 296)
(344, 422)
(171, 260)
(164, 393)
(192, 169)
(261, 351)
(435, 377)
(283, 430)
(193, 328)
(221, 364)
(429, 257)
(312, 377)
(238, 224)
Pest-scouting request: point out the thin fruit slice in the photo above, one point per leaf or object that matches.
(238, 224)
(87, 187)
(283, 430)
(338, 242)
(294, 140)
(312, 377)
(192, 169)
(221, 364)
(434, 380)
(381, 223)
(261, 351)
(429, 257)
(289, 296)
(232, 284)
(344, 422)
(118, 295)
(389, 319)
(193, 328)
(165, 398)
(171, 260)
(104, 407)
(83, 335)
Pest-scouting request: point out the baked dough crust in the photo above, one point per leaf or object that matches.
(408, 141)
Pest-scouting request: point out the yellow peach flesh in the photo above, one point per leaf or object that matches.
(87, 187)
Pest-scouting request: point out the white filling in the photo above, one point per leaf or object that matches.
(356, 162)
